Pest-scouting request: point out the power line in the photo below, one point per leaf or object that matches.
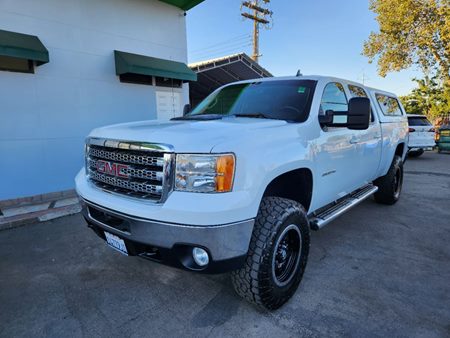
(210, 55)
(233, 45)
(225, 42)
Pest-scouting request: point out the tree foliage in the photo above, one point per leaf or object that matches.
(412, 32)
(431, 98)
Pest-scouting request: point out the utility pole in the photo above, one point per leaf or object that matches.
(259, 15)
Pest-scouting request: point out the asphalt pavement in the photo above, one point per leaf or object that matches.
(377, 271)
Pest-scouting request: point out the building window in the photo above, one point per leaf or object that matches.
(16, 65)
(166, 82)
(136, 78)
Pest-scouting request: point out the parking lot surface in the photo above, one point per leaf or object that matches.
(376, 271)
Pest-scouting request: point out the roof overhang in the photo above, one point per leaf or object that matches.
(23, 46)
(128, 63)
(214, 73)
(183, 4)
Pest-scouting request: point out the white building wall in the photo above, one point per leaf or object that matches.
(44, 117)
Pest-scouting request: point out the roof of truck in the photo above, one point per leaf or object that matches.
(319, 78)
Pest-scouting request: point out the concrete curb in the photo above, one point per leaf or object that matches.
(22, 214)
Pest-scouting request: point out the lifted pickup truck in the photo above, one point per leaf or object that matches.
(237, 183)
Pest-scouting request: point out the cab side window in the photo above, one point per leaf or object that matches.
(356, 91)
(333, 98)
(389, 105)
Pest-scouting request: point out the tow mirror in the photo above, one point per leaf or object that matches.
(186, 109)
(358, 113)
(356, 118)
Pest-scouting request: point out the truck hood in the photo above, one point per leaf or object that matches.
(188, 136)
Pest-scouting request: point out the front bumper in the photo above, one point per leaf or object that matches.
(172, 244)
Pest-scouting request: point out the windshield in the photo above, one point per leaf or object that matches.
(283, 99)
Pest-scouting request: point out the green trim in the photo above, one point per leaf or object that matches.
(183, 4)
(146, 65)
(23, 46)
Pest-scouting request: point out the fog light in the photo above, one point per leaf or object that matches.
(201, 257)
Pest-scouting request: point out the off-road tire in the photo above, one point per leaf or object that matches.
(390, 185)
(256, 281)
(416, 153)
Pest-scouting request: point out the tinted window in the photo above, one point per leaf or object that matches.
(418, 121)
(356, 91)
(333, 98)
(389, 105)
(275, 99)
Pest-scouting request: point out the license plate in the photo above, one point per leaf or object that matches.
(116, 243)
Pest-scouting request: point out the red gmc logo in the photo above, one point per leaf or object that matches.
(113, 169)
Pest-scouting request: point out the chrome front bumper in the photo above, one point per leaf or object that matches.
(225, 244)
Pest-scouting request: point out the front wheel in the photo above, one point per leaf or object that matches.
(277, 254)
(390, 185)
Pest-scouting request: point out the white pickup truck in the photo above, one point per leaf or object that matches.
(238, 182)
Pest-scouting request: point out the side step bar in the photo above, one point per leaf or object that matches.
(329, 213)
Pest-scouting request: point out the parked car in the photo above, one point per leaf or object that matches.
(238, 183)
(443, 138)
(421, 135)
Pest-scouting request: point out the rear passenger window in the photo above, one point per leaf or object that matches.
(356, 91)
(389, 105)
(333, 98)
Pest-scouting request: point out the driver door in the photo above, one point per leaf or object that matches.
(336, 155)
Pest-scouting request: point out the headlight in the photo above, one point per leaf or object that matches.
(204, 173)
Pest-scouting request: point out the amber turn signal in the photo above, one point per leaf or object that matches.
(225, 173)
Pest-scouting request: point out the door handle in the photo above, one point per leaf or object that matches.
(377, 136)
(354, 140)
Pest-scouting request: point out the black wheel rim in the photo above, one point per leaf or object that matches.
(398, 182)
(286, 255)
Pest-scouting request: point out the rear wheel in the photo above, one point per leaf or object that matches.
(277, 254)
(390, 185)
(416, 153)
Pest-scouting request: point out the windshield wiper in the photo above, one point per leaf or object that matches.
(254, 115)
(199, 117)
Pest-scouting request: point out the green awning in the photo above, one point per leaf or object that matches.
(23, 46)
(127, 63)
(183, 4)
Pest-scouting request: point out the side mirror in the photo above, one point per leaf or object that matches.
(358, 113)
(356, 118)
(186, 109)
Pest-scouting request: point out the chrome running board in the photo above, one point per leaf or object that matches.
(323, 216)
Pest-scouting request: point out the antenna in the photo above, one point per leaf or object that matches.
(363, 77)
(260, 16)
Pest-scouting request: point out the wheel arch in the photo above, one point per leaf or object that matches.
(296, 185)
(401, 150)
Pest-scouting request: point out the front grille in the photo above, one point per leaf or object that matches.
(129, 169)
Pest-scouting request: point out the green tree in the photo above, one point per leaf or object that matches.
(431, 98)
(412, 32)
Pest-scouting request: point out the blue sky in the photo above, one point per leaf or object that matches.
(321, 37)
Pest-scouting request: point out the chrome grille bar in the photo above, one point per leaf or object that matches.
(126, 157)
(126, 184)
(140, 170)
(133, 171)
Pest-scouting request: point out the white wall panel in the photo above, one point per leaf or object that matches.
(44, 117)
